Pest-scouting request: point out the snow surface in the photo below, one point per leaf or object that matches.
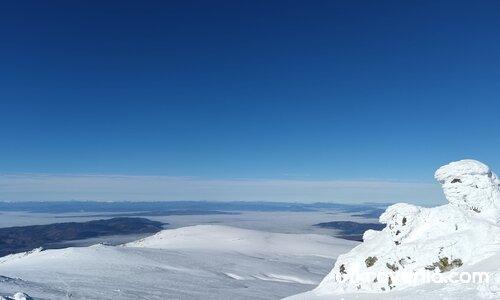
(198, 262)
(462, 236)
(249, 242)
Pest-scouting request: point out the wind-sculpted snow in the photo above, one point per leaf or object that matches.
(461, 235)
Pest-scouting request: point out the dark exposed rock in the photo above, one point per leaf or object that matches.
(370, 261)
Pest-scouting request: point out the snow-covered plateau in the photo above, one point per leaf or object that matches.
(196, 262)
(446, 252)
(413, 257)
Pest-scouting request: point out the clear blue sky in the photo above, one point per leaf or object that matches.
(299, 90)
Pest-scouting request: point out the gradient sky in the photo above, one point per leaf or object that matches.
(289, 93)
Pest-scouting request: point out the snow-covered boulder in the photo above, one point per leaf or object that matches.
(471, 185)
(424, 241)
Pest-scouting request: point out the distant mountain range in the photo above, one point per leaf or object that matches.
(188, 207)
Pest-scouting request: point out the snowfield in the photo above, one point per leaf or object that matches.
(198, 262)
(220, 238)
(462, 236)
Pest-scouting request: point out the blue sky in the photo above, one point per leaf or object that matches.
(301, 92)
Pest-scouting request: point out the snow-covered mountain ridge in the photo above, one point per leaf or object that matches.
(461, 236)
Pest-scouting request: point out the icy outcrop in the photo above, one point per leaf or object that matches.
(471, 185)
(419, 240)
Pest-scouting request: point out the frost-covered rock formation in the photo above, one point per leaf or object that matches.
(425, 241)
(471, 185)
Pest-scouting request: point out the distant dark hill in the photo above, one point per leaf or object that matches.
(351, 230)
(24, 238)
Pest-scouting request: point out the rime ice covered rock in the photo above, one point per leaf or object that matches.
(399, 219)
(471, 185)
(425, 240)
